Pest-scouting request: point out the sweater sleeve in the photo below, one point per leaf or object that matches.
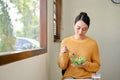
(94, 64)
(63, 59)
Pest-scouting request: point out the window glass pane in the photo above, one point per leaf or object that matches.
(19, 25)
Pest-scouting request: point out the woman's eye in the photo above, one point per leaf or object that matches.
(84, 29)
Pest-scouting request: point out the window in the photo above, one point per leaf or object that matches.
(22, 27)
(19, 21)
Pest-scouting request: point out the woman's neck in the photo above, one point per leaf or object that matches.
(77, 37)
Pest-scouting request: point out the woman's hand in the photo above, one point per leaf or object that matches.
(64, 49)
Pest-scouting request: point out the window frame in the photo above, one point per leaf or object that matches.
(16, 56)
(58, 14)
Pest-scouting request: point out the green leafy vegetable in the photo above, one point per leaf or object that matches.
(78, 60)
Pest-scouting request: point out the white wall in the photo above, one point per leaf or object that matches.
(28, 69)
(104, 28)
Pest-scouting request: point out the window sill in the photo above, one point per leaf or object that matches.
(16, 56)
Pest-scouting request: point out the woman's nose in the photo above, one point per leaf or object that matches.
(80, 31)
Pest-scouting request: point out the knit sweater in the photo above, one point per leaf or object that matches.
(86, 47)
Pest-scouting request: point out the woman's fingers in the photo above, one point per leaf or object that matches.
(64, 49)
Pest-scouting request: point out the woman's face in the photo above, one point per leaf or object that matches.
(80, 28)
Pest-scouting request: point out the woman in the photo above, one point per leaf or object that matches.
(79, 45)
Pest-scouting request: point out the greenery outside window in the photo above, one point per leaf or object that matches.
(19, 20)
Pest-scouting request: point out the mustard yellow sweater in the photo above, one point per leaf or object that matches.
(88, 48)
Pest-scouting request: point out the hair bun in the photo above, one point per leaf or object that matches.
(83, 13)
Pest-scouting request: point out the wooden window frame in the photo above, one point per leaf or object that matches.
(16, 56)
(58, 14)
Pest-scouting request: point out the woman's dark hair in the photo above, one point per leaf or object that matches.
(84, 17)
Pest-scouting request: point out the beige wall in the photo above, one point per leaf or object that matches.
(104, 28)
(28, 69)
